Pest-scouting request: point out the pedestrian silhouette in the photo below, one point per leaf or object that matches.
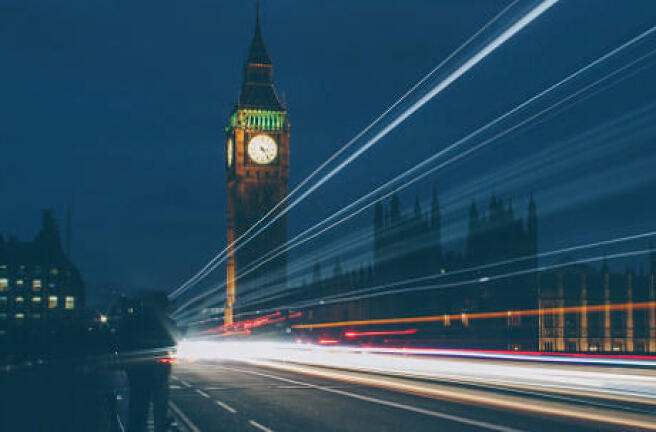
(146, 343)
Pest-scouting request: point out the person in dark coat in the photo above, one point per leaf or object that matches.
(146, 339)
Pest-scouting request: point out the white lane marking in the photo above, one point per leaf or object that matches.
(225, 406)
(174, 387)
(292, 387)
(184, 383)
(202, 393)
(259, 426)
(188, 423)
(431, 413)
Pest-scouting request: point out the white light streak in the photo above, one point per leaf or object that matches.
(290, 244)
(460, 71)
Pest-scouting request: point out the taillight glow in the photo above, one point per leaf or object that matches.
(352, 334)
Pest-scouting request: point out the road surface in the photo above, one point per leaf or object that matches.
(234, 396)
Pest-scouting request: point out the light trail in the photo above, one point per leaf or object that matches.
(617, 141)
(353, 140)
(624, 395)
(203, 349)
(596, 413)
(431, 159)
(452, 77)
(361, 294)
(491, 265)
(484, 315)
(494, 277)
(471, 281)
(479, 425)
(352, 334)
(290, 244)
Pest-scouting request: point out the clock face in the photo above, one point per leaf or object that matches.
(230, 152)
(262, 149)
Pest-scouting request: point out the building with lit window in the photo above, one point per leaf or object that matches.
(587, 310)
(41, 291)
(494, 296)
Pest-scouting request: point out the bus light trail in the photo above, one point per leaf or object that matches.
(623, 395)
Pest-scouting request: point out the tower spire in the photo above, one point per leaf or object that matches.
(257, 89)
(257, 14)
(258, 53)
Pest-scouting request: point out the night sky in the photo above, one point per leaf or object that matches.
(116, 109)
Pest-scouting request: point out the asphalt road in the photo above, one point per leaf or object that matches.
(223, 396)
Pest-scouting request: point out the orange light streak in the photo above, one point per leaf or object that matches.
(482, 315)
(355, 334)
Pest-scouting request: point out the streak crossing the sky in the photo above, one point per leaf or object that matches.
(461, 70)
(299, 238)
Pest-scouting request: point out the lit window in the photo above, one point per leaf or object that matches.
(19, 315)
(4, 284)
(54, 271)
(36, 300)
(19, 282)
(52, 302)
(36, 316)
(36, 285)
(69, 302)
(20, 299)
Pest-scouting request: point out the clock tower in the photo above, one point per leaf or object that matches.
(257, 168)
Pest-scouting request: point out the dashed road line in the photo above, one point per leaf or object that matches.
(259, 426)
(184, 383)
(188, 423)
(225, 406)
(457, 419)
(292, 387)
(202, 393)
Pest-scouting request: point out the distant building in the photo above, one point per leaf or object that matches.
(491, 296)
(41, 291)
(579, 310)
(257, 169)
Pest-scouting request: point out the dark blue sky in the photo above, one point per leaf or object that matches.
(116, 109)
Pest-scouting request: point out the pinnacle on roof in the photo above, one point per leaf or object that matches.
(257, 89)
(258, 53)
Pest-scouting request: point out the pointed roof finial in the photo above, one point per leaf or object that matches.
(257, 13)
(257, 88)
(257, 52)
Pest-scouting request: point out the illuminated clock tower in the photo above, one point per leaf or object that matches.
(257, 168)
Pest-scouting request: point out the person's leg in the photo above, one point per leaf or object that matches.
(139, 399)
(161, 397)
